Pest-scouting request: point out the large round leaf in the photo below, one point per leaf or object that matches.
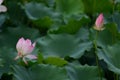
(72, 26)
(40, 72)
(38, 10)
(110, 55)
(63, 45)
(83, 72)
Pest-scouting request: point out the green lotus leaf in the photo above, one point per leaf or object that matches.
(55, 61)
(69, 7)
(63, 45)
(40, 72)
(110, 55)
(78, 72)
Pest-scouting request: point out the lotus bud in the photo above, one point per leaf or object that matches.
(99, 23)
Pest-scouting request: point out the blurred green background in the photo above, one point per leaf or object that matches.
(64, 34)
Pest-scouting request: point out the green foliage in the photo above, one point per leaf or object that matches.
(40, 72)
(97, 6)
(36, 10)
(72, 26)
(55, 61)
(67, 46)
(70, 7)
(83, 72)
(110, 55)
(103, 39)
(6, 60)
(52, 45)
(10, 36)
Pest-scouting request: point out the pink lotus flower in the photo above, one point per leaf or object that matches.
(24, 48)
(2, 7)
(99, 23)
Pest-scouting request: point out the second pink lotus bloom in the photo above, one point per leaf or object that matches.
(99, 23)
(2, 7)
(24, 48)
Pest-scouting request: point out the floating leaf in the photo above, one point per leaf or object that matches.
(110, 55)
(72, 27)
(38, 10)
(55, 61)
(63, 45)
(40, 72)
(83, 72)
